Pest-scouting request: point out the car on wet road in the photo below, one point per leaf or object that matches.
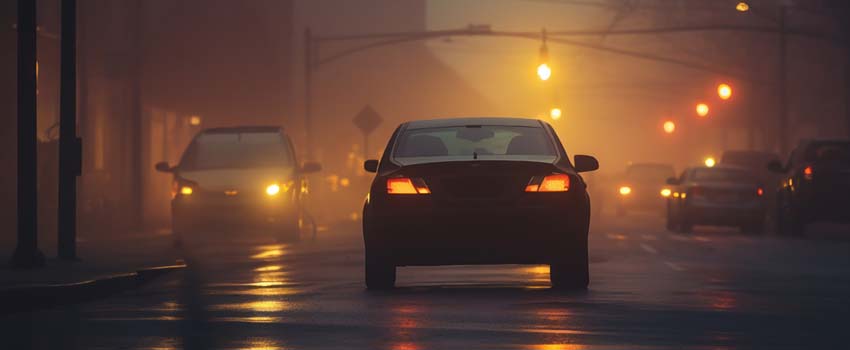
(238, 176)
(643, 187)
(815, 186)
(716, 196)
(477, 191)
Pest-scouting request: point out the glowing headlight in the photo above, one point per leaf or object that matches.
(273, 190)
(186, 190)
(625, 190)
(666, 192)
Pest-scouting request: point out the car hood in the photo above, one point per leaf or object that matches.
(238, 179)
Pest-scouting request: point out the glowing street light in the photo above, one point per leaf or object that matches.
(544, 72)
(724, 91)
(742, 7)
(702, 110)
(669, 127)
(555, 113)
(710, 162)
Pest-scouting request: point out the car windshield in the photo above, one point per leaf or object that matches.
(474, 142)
(722, 175)
(649, 172)
(236, 150)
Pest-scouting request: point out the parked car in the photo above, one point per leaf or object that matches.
(237, 176)
(815, 185)
(477, 191)
(718, 196)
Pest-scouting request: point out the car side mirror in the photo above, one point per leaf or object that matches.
(672, 181)
(371, 165)
(311, 167)
(776, 167)
(585, 163)
(163, 167)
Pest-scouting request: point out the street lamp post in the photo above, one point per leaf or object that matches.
(27, 254)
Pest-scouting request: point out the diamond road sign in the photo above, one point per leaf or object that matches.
(367, 120)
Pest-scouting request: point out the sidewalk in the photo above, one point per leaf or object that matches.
(106, 265)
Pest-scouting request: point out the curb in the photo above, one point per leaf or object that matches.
(28, 298)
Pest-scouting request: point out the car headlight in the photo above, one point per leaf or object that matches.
(273, 190)
(186, 190)
(666, 192)
(625, 190)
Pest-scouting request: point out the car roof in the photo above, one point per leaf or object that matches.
(449, 122)
(242, 129)
(750, 152)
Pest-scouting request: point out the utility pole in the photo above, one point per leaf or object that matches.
(308, 92)
(782, 134)
(69, 144)
(26, 253)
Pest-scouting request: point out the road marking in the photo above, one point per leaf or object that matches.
(679, 238)
(617, 237)
(674, 267)
(649, 237)
(648, 248)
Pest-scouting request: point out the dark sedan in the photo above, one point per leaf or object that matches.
(815, 186)
(477, 191)
(718, 196)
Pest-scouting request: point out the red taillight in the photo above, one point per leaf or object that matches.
(760, 192)
(404, 185)
(808, 172)
(550, 183)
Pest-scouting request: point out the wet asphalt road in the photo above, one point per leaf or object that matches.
(650, 289)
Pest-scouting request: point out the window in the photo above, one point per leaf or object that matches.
(475, 142)
(236, 150)
(722, 175)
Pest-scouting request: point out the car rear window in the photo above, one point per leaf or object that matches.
(722, 175)
(469, 142)
(237, 150)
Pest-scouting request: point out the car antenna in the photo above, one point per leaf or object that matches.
(474, 155)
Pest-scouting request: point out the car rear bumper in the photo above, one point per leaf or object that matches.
(732, 215)
(476, 236)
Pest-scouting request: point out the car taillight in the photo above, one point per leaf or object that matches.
(760, 191)
(549, 183)
(808, 172)
(405, 185)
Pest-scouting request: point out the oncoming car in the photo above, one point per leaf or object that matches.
(477, 191)
(643, 187)
(237, 176)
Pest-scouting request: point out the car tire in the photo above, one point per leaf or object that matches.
(572, 273)
(380, 274)
(789, 222)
